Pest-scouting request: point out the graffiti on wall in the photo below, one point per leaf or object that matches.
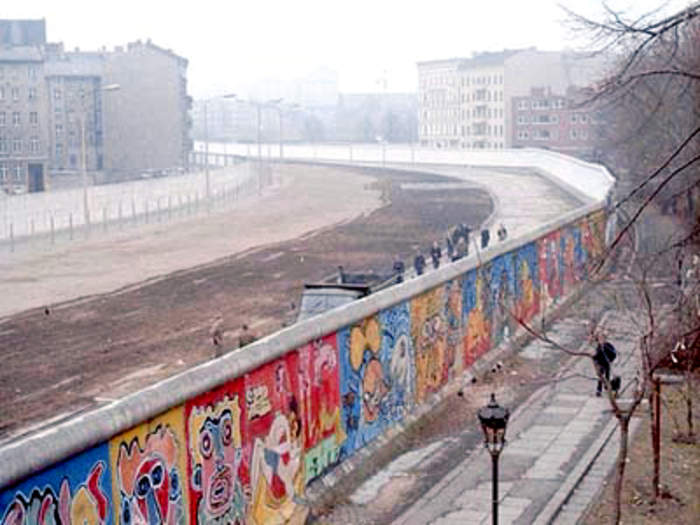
(476, 316)
(454, 358)
(429, 336)
(245, 451)
(527, 284)
(216, 470)
(148, 469)
(319, 393)
(502, 291)
(74, 492)
(274, 443)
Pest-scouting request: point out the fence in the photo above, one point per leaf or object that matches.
(48, 217)
(244, 436)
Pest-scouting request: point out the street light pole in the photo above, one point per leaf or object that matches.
(206, 147)
(494, 419)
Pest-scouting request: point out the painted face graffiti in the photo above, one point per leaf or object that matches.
(149, 481)
(374, 389)
(87, 505)
(215, 446)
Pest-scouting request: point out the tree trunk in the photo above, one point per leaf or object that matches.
(621, 463)
(655, 416)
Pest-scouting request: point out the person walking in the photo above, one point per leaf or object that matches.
(450, 248)
(246, 337)
(419, 263)
(399, 269)
(502, 232)
(462, 250)
(485, 238)
(605, 354)
(435, 254)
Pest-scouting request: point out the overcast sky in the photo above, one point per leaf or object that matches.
(232, 43)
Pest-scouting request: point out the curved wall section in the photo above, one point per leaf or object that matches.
(242, 437)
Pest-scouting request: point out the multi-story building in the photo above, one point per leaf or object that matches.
(147, 122)
(73, 82)
(465, 102)
(23, 119)
(548, 120)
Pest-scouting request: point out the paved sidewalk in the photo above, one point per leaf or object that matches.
(552, 441)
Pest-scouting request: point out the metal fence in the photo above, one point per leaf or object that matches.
(47, 218)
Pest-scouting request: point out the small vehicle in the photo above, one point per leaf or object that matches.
(338, 290)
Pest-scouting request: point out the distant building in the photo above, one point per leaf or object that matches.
(465, 102)
(49, 97)
(147, 122)
(22, 32)
(368, 117)
(74, 82)
(544, 119)
(23, 119)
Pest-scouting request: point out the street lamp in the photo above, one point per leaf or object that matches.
(83, 152)
(206, 144)
(494, 419)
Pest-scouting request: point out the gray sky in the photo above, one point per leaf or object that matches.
(231, 43)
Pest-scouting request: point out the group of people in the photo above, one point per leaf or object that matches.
(457, 244)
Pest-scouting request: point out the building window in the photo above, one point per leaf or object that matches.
(34, 145)
(573, 134)
(34, 118)
(17, 146)
(16, 121)
(56, 94)
(574, 118)
(2, 93)
(15, 94)
(523, 135)
(584, 118)
(59, 129)
(32, 73)
(3, 145)
(59, 151)
(3, 172)
(32, 93)
(2, 118)
(18, 172)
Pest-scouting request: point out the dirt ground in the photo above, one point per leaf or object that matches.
(91, 350)
(680, 469)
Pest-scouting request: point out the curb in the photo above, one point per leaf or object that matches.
(562, 494)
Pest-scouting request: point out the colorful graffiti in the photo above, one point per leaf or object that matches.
(216, 471)
(148, 466)
(429, 335)
(75, 492)
(476, 316)
(527, 283)
(319, 393)
(246, 451)
(502, 290)
(274, 442)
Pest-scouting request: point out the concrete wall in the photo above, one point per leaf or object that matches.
(241, 437)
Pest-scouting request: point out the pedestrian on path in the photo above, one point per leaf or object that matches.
(435, 254)
(247, 337)
(419, 263)
(399, 268)
(450, 248)
(605, 354)
(502, 232)
(485, 238)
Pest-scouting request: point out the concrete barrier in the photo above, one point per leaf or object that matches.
(242, 436)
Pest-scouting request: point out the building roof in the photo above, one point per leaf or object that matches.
(74, 64)
(478, 59)
(22, 32)
(20, 54)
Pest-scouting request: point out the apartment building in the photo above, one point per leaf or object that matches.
(23, 119)
(556, 121)
(465, 102)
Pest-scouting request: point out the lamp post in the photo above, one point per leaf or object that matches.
(494, 419)
(83, 152)
(206, 144)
